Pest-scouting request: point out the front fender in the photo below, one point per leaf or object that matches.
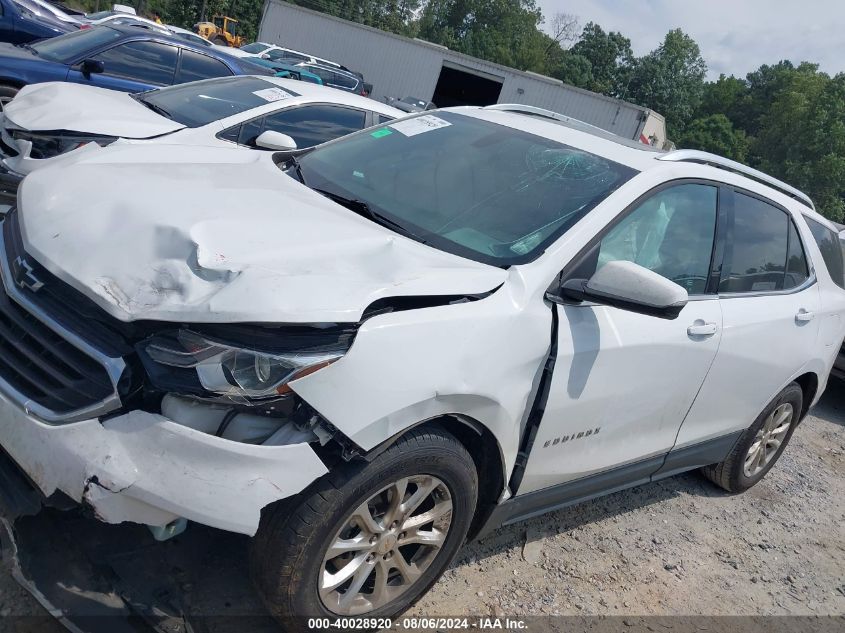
(480, 359)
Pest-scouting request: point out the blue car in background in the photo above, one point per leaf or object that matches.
(127, 58)
(23, 21)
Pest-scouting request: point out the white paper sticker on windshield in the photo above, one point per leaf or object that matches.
(420, 124)
(271, 94)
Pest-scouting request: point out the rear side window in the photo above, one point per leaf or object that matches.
(828, 242)
(195, 66)
(148, 62)
(767, 254)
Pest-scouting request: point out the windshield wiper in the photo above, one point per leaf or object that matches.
(362, 208)
(155, 108)
(29, 48)
(298, 169)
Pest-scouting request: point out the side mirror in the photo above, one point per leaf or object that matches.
(275, 140)
(92, 66)
(628, 286)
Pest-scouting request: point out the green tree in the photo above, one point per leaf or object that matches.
(715, 133)
(610, 58)
(502, 31)
(801, 138)
(396, 16)
(670, 79)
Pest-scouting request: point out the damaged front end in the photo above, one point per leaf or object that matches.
(151, 422)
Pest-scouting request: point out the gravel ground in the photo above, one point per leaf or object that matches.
(677, 547)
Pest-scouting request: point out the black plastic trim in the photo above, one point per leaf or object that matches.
(532, 504)
(698, 455)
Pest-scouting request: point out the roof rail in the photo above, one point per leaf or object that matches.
(706, 158)
(576, 124)
(527, 109)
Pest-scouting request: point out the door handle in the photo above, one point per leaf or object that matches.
(803, 316)
(700, 328)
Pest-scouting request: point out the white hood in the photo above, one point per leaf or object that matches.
(221, 235)
(85, 109)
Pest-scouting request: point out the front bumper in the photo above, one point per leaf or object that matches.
(147, 469)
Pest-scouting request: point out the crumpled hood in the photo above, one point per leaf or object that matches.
(85, 109)
(221, 235)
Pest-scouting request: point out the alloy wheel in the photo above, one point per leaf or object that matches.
(385, 545)
(768, 440)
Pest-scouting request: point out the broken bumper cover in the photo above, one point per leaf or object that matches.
(144, 468)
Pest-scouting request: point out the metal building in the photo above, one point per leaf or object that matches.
(398, 66)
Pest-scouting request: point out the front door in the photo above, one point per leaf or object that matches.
(132, 67)
(624, 382)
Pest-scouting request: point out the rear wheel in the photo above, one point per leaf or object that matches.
(369, 541)
(761, 445)
(219, 40)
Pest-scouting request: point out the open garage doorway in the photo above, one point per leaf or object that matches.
(459, 86)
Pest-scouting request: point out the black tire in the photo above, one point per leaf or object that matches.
(7, 93)
(730, 473)
(287, 554)
(220, 41)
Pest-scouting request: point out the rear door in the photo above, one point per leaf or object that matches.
(132, 67)
(770, 306)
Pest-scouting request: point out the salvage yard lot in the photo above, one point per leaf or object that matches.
(680, 546)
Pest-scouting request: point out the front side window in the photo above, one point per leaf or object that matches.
(468, 186)
(307, 125)
(68, 48)
(828, 242)
(671, 233)
(201, 103)
(148, 62)
(758, 260)
(195, 66)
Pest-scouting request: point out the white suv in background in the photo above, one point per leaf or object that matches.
(363, 354)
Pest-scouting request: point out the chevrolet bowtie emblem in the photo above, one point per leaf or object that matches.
(23, 275)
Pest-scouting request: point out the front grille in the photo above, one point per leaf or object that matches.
(43, 360)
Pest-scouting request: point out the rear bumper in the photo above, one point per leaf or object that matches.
(145, 468)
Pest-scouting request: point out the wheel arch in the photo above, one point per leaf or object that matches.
(483, 447)
(809, 383)
(6, 82)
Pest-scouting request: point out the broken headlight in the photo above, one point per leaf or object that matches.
(233, 371)
(50, 145)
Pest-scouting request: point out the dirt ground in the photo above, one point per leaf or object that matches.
(676, 547)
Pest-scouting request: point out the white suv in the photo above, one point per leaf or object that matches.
(367, 353)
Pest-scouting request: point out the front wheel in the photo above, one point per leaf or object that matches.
(760, 446)
(369, 541)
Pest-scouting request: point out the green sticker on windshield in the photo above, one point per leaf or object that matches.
(382, 132)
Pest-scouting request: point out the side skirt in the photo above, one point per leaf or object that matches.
(533, 504)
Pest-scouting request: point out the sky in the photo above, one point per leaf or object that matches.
(735, 36)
